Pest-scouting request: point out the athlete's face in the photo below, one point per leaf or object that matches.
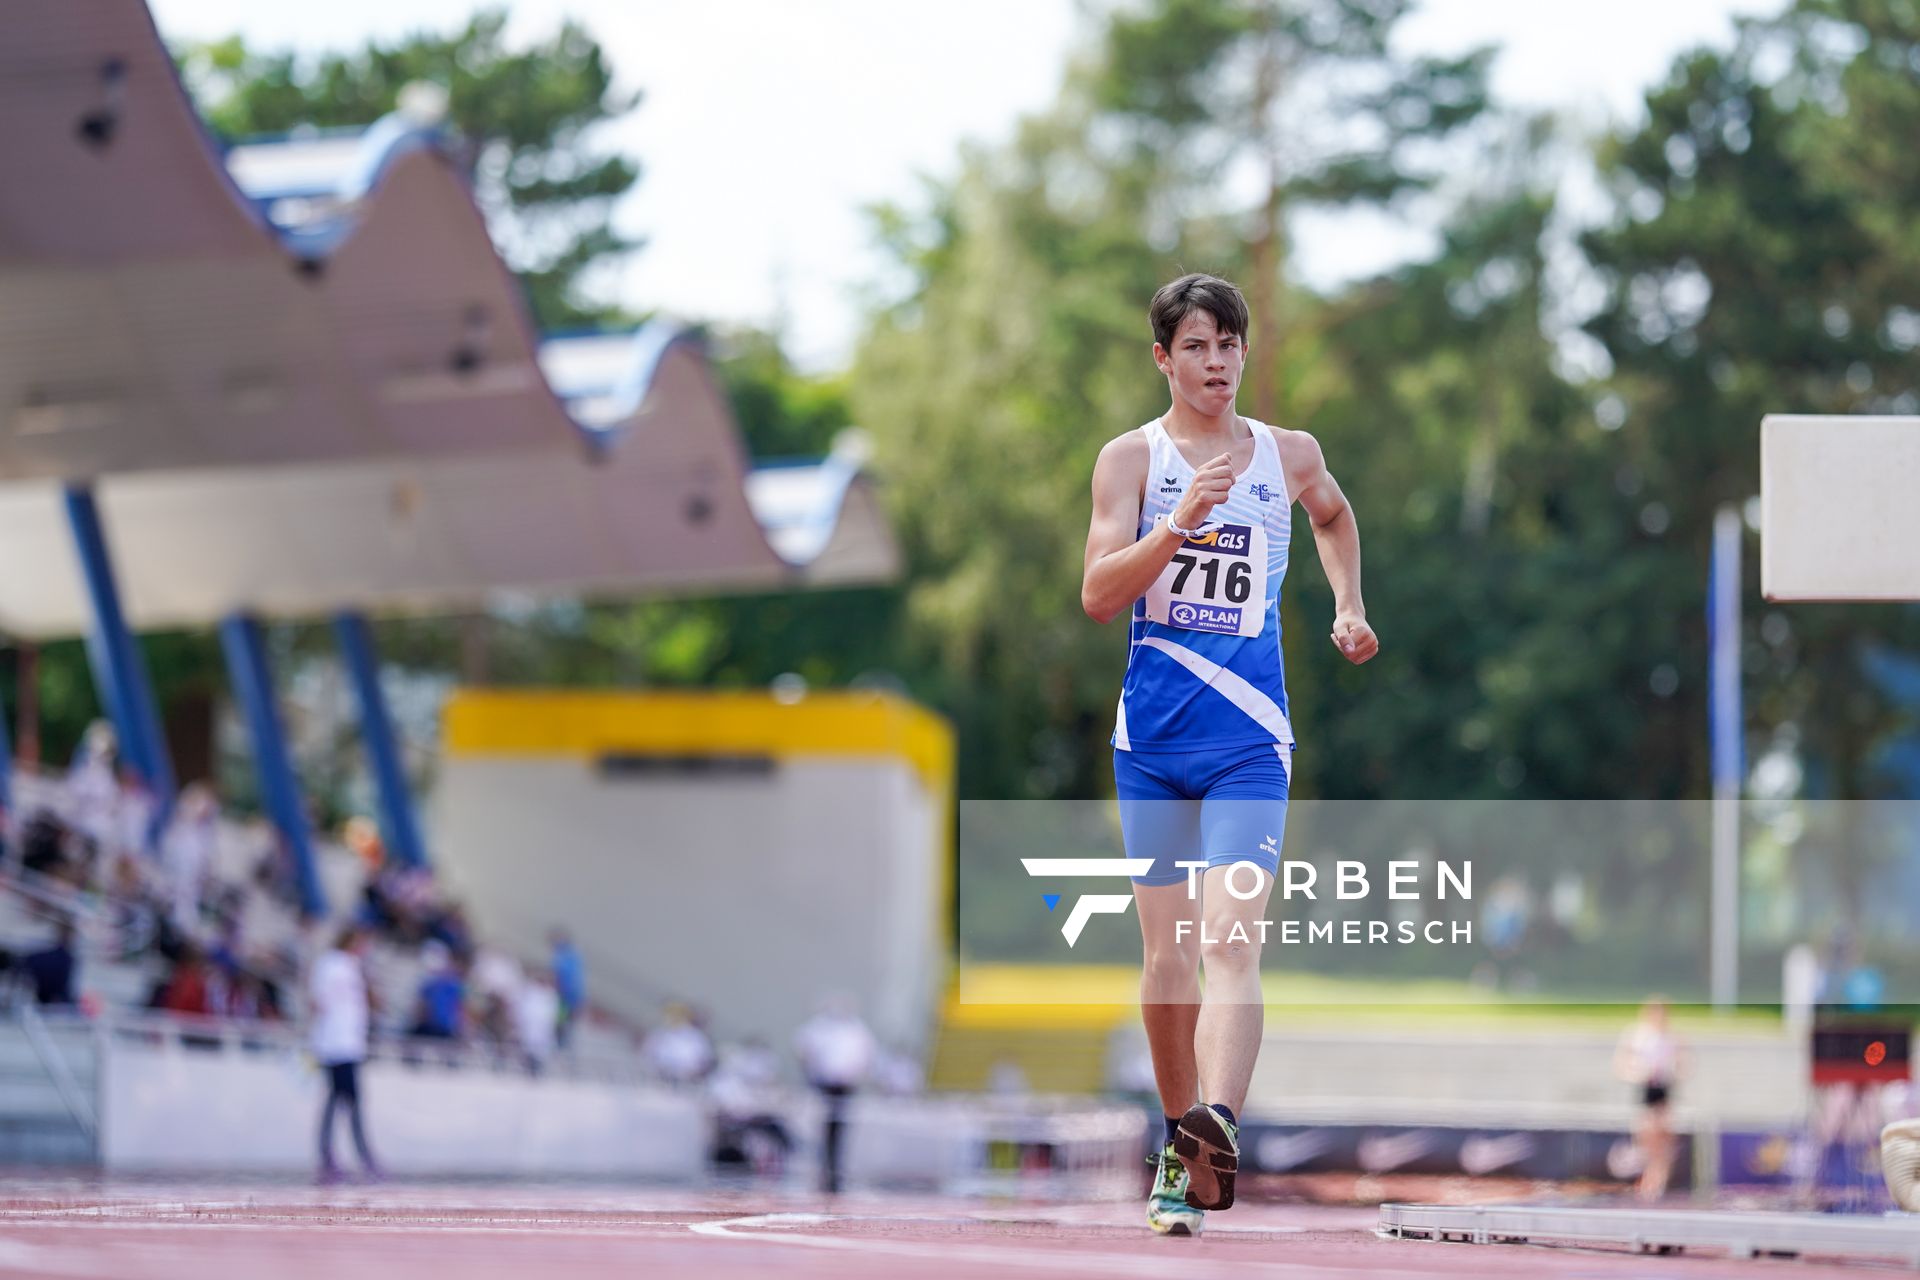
(1204, 366)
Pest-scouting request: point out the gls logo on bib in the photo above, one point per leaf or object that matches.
(1231, 538)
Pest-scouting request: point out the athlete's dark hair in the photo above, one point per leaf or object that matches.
(1177, 299)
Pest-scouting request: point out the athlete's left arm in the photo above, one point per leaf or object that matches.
(1337, 536)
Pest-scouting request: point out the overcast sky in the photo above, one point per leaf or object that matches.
(768, 125)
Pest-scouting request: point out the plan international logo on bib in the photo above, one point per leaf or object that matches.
(1205, 617)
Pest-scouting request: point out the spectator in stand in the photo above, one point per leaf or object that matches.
(836, 1054)
(135, 917)
(362, 837)
(251, 996)
(51, 969)
(570, 980)
(537, 1019)
(442, 1010)
(340, 1010)
(496, 983)
(224, 954)
(188, 987)
(93, 790)
(134, 815)
(274, 872)
(43, 844)
(747, 1127)
(186, 852)
(678, 1050)
(448, 924)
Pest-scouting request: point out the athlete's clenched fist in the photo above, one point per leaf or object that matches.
(1354, 638)
(1211, 485)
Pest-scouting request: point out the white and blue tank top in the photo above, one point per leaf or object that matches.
(1204, 668)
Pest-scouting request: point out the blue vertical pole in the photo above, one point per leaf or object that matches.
(119, 673)
(398, 826)
(1726, 729)
(252, 676)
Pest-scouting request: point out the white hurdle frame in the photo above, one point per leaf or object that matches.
(1895, 1236)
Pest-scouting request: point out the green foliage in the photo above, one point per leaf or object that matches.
(1765, 262)
(1309, 95)
(782, 412)
(526, 115)
(1023, 347)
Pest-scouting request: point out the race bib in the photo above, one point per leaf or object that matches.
(1216, 581)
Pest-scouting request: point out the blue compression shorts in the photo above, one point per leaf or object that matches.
(1217, 806)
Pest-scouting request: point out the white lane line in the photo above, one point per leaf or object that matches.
(285, 1226)
(117, 1210)
(1076, 1260)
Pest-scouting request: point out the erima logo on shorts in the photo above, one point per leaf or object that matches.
(1204, 617)
(1230, 539)
(1087, 905)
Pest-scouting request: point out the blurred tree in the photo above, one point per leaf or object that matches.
(1763, 261)
(1022, 347)
(528, 117)
(782, 412)
(1305, 100)
(989, 388)
(1501, 569)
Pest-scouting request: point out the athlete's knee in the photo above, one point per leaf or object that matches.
(1230, 948)
(1171, 962)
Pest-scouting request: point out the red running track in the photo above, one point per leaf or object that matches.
(180, 1231)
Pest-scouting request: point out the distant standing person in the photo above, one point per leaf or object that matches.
(186, 852)
(536, 1017)
(50, 970)
(93, 789)
(1649, 1057)
(337, 991)
(570, 980)
(836, 1053)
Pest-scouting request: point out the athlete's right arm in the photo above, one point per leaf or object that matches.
(1120, 566)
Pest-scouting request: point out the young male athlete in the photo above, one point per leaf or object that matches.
(1191, 517)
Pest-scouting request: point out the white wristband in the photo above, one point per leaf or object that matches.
(1176, 530)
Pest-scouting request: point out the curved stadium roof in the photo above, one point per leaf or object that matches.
(299, 377)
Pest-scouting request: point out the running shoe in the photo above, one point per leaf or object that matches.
(1167, 1208)
(1900, 1161)
(1208, 1144)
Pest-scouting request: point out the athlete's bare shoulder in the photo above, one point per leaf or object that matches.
(1123, 461)
(1300, 458)
(1128, 446)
